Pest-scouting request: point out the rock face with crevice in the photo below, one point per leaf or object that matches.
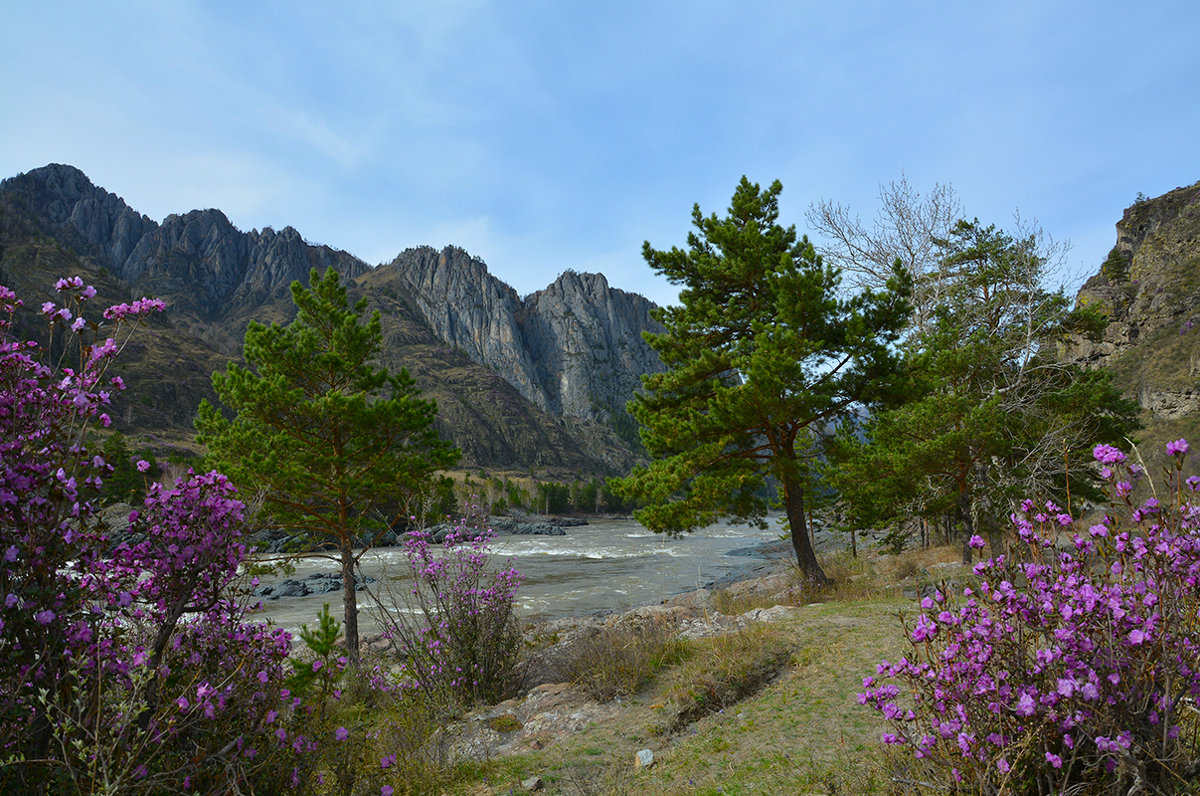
(575, 349)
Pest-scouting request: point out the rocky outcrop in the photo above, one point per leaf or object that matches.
(471, 310)
(586, 341)
(90, 220)
(1148, 295)
(197, 262)
(574, 349)
(1149, 287)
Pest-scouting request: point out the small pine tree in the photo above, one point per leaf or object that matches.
(328, 439)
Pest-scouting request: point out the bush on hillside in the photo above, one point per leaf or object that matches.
(1072, 666)
(455, 629)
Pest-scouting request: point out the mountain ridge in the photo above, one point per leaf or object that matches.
(216, 278)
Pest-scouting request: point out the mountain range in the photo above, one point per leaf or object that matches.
(536, 383)
(529, 384)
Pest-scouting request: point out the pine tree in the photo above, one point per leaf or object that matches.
(328, 440)
(995, 414)
(760, 353)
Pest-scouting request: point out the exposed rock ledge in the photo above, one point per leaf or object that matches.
(1171, 405)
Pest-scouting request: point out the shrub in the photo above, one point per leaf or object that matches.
(455, 629)
(1115, 267)
(124, 668)
(1064, 668)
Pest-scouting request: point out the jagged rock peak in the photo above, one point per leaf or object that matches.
(449, 270)
(573, 348)
(64, 202)
(196, 260)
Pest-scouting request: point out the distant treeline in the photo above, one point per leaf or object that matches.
(503, 495)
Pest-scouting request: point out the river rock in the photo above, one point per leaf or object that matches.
(318, 583)
(438, 533)
(538, 529)
(288, 588)
(567, 522)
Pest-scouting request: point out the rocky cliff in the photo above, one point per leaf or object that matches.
(508, 395)
(1148, 292)
(213, 276)
(574, 349)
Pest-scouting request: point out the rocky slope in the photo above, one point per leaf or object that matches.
(514, 388)
(1148, 290)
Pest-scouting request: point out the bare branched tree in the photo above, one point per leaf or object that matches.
(906, 228)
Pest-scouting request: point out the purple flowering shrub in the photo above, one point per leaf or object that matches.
(1073, 663)
(455, 628)
(122, 666)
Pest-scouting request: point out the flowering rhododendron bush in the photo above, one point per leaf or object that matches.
(123, 667)
(455, 629)
(1073, 665)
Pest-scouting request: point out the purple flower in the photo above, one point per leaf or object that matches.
(341, 733)
(143, 465)
(1177, 447)
(1054, 759)
(976, 541)
(44, 617)
(386, 790)
(1107, 454)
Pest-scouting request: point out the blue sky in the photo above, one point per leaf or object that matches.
(542, 136)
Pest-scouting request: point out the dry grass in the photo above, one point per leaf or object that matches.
(619, 660)
(722, 670)
(767, 709)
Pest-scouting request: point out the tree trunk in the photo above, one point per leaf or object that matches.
(964, 515)
(806, 559)
(350, 600)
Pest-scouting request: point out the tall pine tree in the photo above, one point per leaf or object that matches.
(760, 352)
(330, 441)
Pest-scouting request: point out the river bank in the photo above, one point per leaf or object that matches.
(610, 565)
(758, 697)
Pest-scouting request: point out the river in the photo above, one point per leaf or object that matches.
(604, 566)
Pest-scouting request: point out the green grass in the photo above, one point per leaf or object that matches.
(800, 732)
